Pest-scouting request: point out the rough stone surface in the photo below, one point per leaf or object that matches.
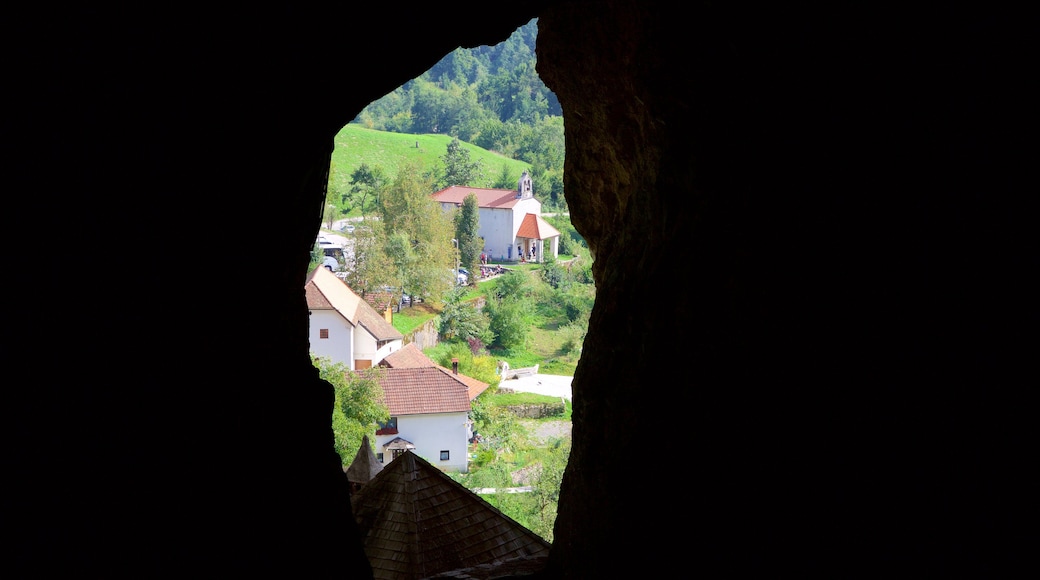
(814, 256)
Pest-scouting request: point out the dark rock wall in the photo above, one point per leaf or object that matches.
(813, 260)
(811, 325)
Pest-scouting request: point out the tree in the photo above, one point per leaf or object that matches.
(403, 259)
(330, 210)
(409, 213)
(459, 170)
(467, 224)
(368, 265)
(358, 409)
(508, 321)
(546, 495)
(462, 320)
(505, 179)
(365, 182)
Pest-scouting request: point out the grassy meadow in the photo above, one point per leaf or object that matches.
(356, 145)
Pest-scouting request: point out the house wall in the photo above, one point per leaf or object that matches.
(496, 227)
(365, 347)
(521, 209)
(339, 346)
(430, 434)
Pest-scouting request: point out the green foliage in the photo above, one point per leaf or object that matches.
(409, 319)
(509, 321)
(369, 266)
(365, 184)
(546, 495)
(505, 179)
(459, 169)
(499, 429)
(570, 239)
(487, 473)
(506, 451)
(513, 284)
(467, 224)
(413, 219)
(331, 208)
(461, 319)
(580, 268)
(552, 273)
(572, 337)
(317, 257)
(477, 365)
(385, 152)
(489, 96)
(357, 410)
(481, 459)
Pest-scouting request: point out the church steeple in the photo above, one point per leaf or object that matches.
(523, 187)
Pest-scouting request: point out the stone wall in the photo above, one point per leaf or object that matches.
(426, 335)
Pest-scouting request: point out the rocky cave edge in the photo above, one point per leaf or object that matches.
(813, 333)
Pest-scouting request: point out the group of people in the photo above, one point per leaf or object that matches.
(532, 252)
(485, 269)
(530, 255)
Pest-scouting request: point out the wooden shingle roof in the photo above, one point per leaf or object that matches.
(365, 465)
(417, 522)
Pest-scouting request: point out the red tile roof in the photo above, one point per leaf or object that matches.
(411, 356)
(489, 198)
(379, 300)
(408, 356)
(536, 228)
(415, 391)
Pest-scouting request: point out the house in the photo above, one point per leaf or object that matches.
(416, 522)
(345, 328)
(511, 221)
(429, 410)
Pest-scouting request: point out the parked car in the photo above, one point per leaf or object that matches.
(460, 278)
(331, 264)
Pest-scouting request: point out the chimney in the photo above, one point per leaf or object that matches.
(455, 365)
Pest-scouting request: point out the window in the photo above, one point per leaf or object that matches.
(379, 456)
(323, 333)
(444, 455)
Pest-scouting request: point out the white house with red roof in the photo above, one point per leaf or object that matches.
(511, 220)
(429, 410)
(343, 327)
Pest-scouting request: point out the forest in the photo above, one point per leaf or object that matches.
(488, 96)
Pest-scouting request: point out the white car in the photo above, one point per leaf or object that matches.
(331, 264)
(460, 278)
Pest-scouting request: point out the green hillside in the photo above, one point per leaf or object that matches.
(356, 145)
